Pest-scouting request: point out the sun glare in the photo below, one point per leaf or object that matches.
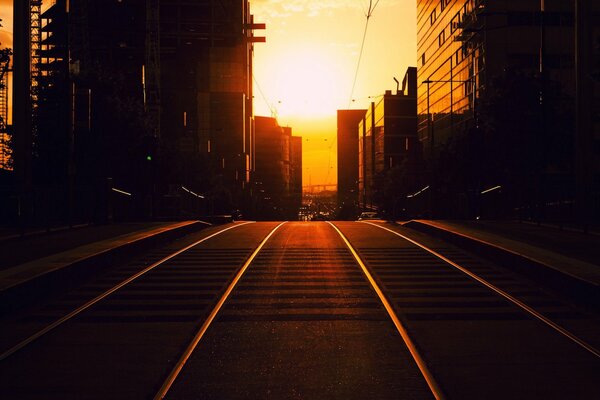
(307, 83)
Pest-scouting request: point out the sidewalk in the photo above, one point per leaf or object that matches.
(34, 265)
(569, 260)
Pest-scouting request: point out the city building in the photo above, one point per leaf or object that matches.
(4, 137)
(147, 96)
(278, 170)
(476, 60)
(387, 136)
(296, 172)
(206, 89)
(347, 160)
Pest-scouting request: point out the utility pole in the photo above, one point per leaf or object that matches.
(22, 108)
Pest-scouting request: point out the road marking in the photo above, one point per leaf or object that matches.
(501, 292)
(190, 349)
(95, 300)
(431, 382)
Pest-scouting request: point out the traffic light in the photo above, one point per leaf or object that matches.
(149, 148)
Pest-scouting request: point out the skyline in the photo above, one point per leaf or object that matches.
(329, 33)
(333, 40)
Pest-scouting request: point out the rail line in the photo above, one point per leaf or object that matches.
(424, 370)
(107, 293)
(513, 300)
(429, 378)
(190, 348)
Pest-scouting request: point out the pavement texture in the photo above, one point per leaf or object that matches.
(560, 255)
(39, 259)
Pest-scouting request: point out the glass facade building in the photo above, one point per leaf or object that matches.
(469, 54)
(463, 44)
(451, 67)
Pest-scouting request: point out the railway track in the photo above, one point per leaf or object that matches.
(474, 318)
(304, 310)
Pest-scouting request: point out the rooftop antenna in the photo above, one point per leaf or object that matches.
(397, 85)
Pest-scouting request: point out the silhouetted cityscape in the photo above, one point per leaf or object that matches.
(144, 109)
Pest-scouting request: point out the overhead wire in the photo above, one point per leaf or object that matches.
(368, 14)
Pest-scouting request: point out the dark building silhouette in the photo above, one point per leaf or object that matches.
(495, 103)
(587, 103)
(150, 97)
(347, 159)
(387, 136)
(296, 173)
(206, 64)
(276, 170)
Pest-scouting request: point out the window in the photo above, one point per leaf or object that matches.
(422, 59)
(455, 23)
(442, 38)
(432, 17)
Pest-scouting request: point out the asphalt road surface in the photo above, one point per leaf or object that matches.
(303, 310)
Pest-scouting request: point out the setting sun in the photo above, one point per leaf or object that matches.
(307, 83)
(305, 71)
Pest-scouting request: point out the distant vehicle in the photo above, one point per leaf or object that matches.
(236, 215)
(320, 217)
(368, 215)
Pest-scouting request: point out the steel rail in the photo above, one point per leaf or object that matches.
(427, 375)
(102, 296)
(194, 343)
(500, 292)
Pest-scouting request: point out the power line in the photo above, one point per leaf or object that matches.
(368, 15)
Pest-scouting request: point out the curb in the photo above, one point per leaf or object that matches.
(68, 276)
(584, 292)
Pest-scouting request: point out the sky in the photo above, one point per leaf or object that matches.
(305, 71)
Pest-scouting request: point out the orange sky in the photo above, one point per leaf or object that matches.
(307, 66)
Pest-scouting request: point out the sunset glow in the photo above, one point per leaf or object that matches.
(306, 68)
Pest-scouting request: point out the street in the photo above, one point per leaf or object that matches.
(298, 310)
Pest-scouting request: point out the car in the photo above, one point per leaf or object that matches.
(368, 215)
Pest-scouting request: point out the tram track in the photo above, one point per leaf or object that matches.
(311, 310)
(500, 292)
(77, 311)
(137, 325)
(462, 308)
(311, 291)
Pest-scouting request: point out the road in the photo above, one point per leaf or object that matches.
(303, 310)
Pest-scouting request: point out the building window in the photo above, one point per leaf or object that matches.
(423, 59)
(442, 4)
(455, 23)
(433, 16)
(442, 38)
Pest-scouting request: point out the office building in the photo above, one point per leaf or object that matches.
(387, 135)
(475, 59)
(347, 158)
(296, 172)
(277, 182)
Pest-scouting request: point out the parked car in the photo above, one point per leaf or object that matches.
(368, 215)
